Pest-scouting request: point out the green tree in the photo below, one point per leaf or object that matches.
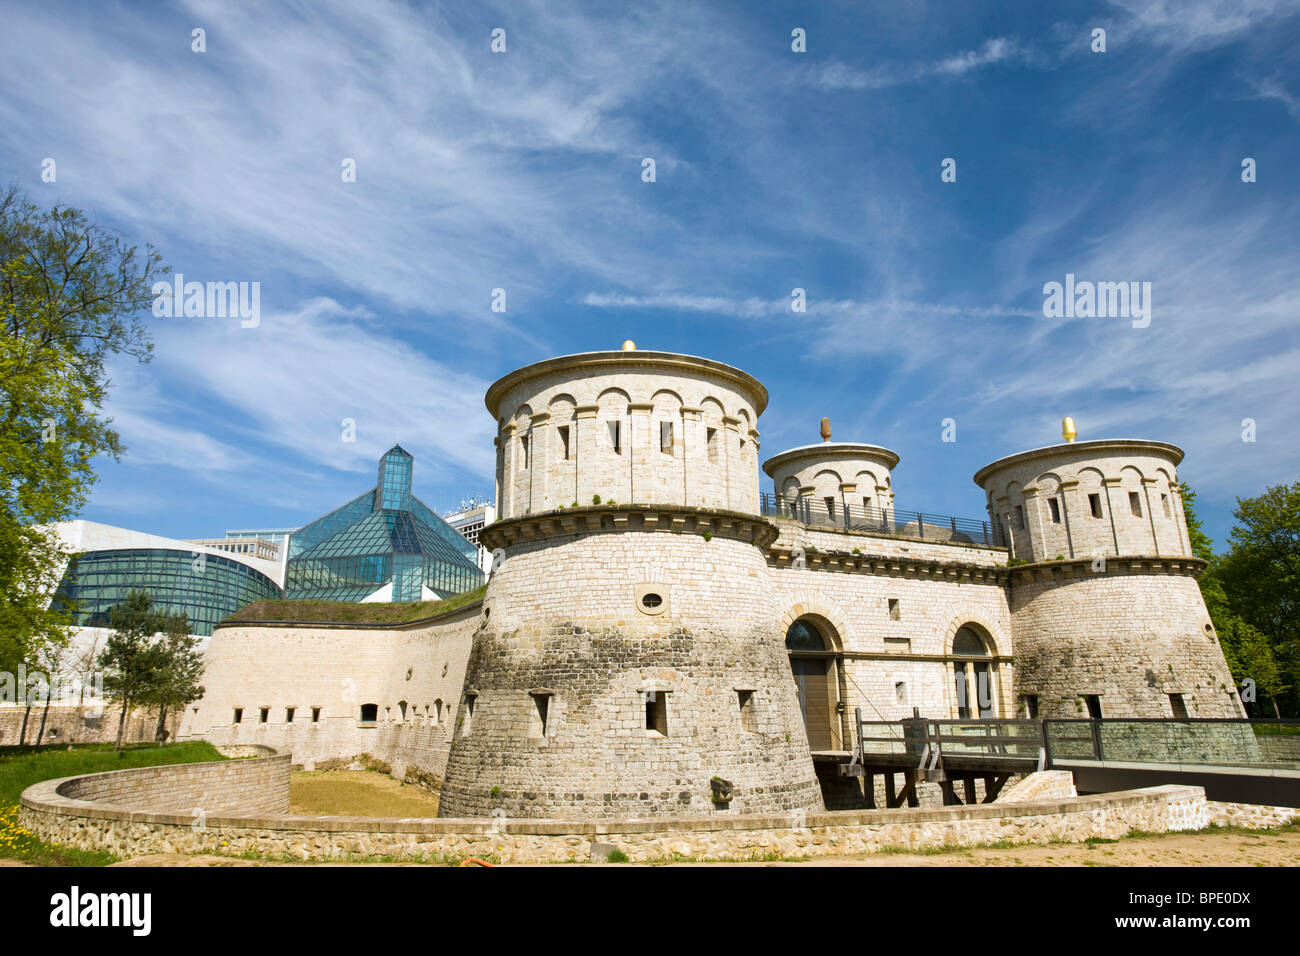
(176, 682)
(1251, 592)
(1261, 575)
(1201, 544)
(132, 659)
(71, 292)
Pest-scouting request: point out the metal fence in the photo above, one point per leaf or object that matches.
(1204, 741)
(840, 514)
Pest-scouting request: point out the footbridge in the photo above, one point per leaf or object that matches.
(1241, 761)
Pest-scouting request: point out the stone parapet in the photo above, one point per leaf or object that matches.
(54, 816)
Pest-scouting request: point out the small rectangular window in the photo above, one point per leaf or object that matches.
(265, 714)
(656, 713)
(900, 691)
(1164, 502)
(1093, 703)
(1135, 504)
(830, 506)
(468, 719)
(616, 437)
(895, 613)
(1094, 505)
(315, 715)
(239, 715)
(711, 442)
(541, 712)
(1031, 706)
(288, 715)
(523, 451)
(866, 504)
(1178, 706)
(666, 437)
(748, 719)
(563, 432)
(1020, 516)
(1055, 507)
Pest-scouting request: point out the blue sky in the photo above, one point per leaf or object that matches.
(775, 170)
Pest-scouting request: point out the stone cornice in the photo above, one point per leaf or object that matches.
(1080, 569)
(629, 361)
(832, 451)
(595, 519)
(1101, 448)
(889, 565)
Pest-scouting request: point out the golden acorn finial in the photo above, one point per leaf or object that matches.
(629, 346)
(826, 429)
(1068, 431)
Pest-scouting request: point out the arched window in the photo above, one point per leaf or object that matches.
(804, 636)
(972, 678)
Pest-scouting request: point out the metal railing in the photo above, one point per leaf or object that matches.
(841, 514)
(1233, 742)
(929, 742)
(1239, 742)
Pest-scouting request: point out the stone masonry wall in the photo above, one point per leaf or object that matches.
(81, 725)
(564, 622)
(338, 669)
(1131, 634)
(1069, 474)
(896, 626)
(555, 445)
(720, 836)
(256, 785)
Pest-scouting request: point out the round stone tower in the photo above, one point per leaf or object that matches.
(1107, 617)
(629, 660)
(835, 478)
(649, 427)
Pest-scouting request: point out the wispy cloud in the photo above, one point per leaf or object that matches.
(292, 382)
(840, 76)
(1193, 25)
(755, 308)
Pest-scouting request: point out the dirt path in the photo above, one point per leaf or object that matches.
(1199, 849)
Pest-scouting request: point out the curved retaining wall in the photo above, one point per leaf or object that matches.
(54, 813)
(256, 785)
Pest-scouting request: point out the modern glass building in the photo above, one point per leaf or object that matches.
(384, 537)
(203, 583)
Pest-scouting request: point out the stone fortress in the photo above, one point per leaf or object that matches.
(658, 637)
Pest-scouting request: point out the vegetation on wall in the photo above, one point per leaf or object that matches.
(346, 612)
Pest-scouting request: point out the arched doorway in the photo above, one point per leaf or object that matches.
(816, 678)
(973, 675)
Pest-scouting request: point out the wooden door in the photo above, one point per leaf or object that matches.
(812, 678)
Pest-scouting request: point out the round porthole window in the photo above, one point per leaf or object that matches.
(650, 601)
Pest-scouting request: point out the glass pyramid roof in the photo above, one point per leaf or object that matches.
(385, 535)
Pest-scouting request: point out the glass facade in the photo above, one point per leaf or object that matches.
(385, 535)
(204, 586)
(395, 480)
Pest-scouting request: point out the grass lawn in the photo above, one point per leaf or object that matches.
(20, 767)
(358, 793)
(347, 612)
